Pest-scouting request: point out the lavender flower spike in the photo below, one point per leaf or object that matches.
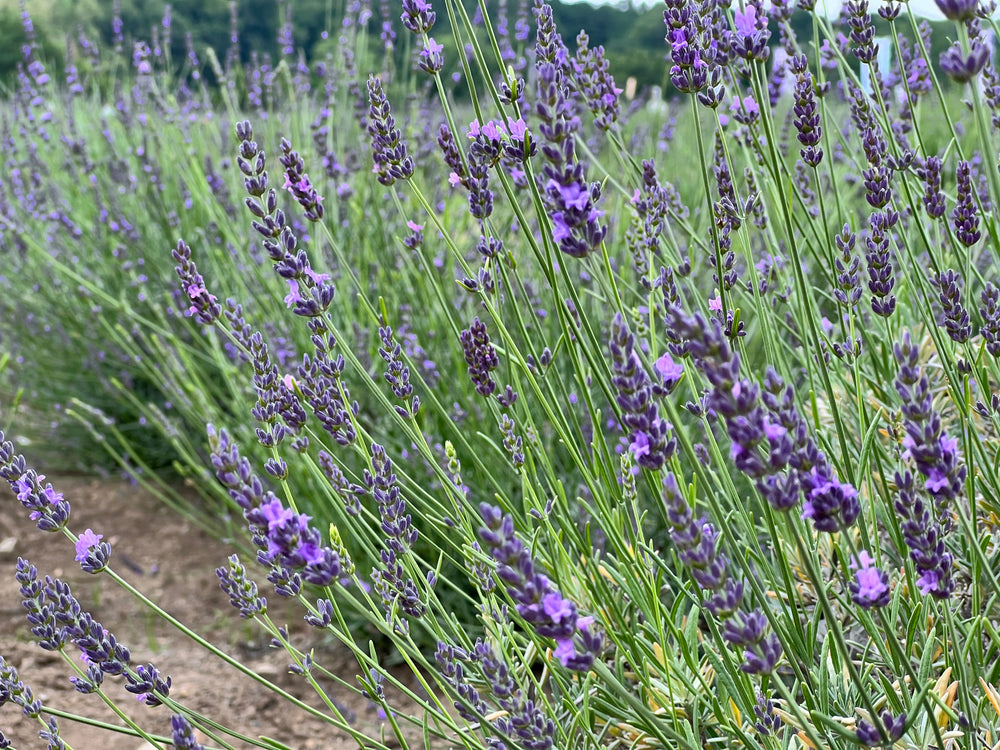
(49, 509)
(541, 606)
(480, 356)
(389, 152)
(418, 17)
(634, 394)
(183, 734)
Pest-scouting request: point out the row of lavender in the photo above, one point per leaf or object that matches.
(649, 463)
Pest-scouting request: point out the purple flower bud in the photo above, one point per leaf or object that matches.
(990, 312)
(241, 590)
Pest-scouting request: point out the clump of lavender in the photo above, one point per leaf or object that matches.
(58, 619)
(309, 293)
(697, 545)
(286, 543)
(519, 718)
(597, 86)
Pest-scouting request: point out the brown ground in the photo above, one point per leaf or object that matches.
(178, 563)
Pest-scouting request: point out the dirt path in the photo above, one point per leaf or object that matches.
(173, 563)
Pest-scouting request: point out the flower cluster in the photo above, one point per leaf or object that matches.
(570, 201)
(310, 294)
(58, 619)
(807, 118)
(285, 541)
(956, 317)
(418, 16)
(965, 216)
(990, 312)
(881, 275)
(297, 182)
(204, 306)
(397, 374)
(592, 75)
(519, 718)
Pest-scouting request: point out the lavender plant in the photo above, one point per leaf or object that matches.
(603, 460)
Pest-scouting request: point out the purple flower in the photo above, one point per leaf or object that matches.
(750, 40)
(965, 216)
(990, 311)
(392, 582)
(431, 58)
(807, 118)
(958, 10)
(669, 370)
(891, 729)
(91, 552)
(418, 17)
(831, 504)
(297, 182)
(183, 734)
(242, 591)
(480, 356)
(881, 275)
(746, 21)
(870, 587)
(961, 67)
(634, 393)
(956, 318)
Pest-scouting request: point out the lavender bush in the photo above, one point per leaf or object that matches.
(606, 460)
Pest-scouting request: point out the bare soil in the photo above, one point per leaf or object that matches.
(173, 562)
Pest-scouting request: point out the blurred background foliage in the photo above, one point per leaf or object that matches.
(631, 34)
